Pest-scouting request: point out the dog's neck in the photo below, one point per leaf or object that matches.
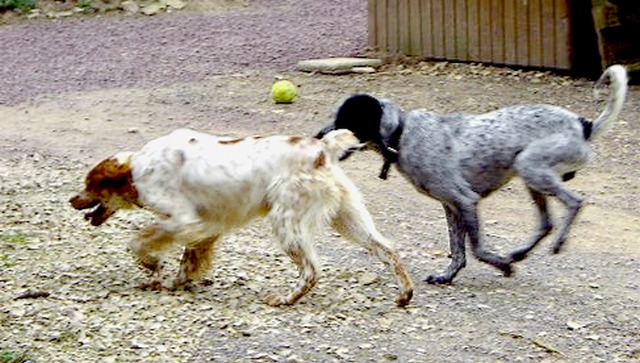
(391, 127)
(391, 121)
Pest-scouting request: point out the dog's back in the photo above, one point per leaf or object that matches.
(215, 172)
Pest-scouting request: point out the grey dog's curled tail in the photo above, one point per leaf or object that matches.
(617, 75)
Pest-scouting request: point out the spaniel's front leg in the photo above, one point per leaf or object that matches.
(196, 260)
(148, 249)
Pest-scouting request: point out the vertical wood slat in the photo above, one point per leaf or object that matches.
(461, 30)
(522, 32)
(515, 32)
(548, 33)
(404, 27)
(485, 31)
(510, 32)
(535, 33)
(392, 26)
(381, 22)
(563, 35)
(473, 30)
(437, 19)
(427, 29)
(372, 27)
(449, 15)
(497, 32)
(415, 27)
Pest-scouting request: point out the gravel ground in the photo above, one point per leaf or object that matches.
(580, 306)
(131, 51)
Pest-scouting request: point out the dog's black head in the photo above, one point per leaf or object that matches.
(361, 114)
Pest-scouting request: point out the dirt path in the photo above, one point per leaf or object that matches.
(580, 306)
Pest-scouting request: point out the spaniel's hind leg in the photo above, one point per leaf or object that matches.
(354, 222)
(295, 239)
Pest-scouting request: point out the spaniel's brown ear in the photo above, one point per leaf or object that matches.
(114, 167)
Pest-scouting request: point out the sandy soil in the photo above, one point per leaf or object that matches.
(81, 100)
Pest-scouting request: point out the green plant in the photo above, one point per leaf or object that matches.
(14, 238)
(6, 261)
(10, 356)
(86, 4)
(21, 5)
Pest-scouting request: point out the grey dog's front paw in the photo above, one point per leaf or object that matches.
(506, 267)
(438, 279)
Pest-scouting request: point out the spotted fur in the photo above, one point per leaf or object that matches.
(460, 158)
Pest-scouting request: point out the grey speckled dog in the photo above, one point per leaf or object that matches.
(460, 158)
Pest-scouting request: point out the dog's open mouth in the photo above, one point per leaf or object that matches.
(348, 152)
(97, 213)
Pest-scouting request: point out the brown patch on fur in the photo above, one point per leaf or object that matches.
(295, 139)
(320, 161)
(234, 141)
(114, 177)
(193, 140)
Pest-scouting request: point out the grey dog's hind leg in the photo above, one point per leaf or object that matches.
(539, 176)
(544, 228)
(573, 203)
(469, 215)
(457, 237)
(550, 184)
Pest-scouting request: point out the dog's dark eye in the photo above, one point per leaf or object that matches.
(112, 183)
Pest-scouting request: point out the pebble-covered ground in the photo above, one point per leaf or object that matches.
(579, 306)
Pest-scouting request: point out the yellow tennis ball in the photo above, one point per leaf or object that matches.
(283, 92)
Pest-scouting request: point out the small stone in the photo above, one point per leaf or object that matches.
(575, 325)
(368, 278)
(131, 7)
(364, 70)
(152, 9)
(175, 4)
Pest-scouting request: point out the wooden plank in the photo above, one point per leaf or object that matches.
(372, 27)
(510, 33)
(381, 25)
(497, 32)
(392, 26)
(563, 35)
(548, 21)
(462, 47)
(522, 32)
(473, 30)
(450, 29)
(535, 33)
(415, 27)
(486, 43)
(437, 19)
(404, 45)
(426, 29)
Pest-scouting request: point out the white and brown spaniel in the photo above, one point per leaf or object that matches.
(201, 187)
